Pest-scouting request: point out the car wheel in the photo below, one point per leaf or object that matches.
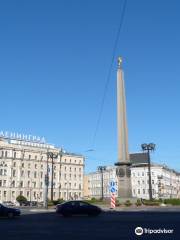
(10, 215)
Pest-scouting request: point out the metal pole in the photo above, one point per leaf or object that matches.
(149, 170)
(102, 187)
(46, 183)
(52, 177)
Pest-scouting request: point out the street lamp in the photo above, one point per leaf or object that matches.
(50, 155)
(101, 169)
(147, 148)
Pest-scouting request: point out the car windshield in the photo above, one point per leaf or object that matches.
(2, 204)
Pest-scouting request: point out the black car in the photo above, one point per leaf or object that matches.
(77, 208)
(9, 212)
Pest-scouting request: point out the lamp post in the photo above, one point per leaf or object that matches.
(101, 169)
(50, 155)
(147, 148)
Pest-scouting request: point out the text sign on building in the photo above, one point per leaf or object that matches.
(22, 137)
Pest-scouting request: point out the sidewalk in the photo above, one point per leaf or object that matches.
(142, 208)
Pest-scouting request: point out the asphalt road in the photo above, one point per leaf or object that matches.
(118, 225)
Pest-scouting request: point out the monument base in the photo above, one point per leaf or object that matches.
(123, 173)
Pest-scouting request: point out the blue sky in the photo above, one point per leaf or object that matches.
(54, 60)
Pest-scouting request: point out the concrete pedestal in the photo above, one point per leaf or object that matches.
(124, 180)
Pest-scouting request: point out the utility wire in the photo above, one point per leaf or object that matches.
(109, 72)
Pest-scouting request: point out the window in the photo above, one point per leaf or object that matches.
(28, 174)
(79, 169)
(41, 158)
(41, 166)
(22, 165)
(29, 157)
(5, 154)
(35, 174)
(2, 154)
(35, 157)
(28, 183)
(14, 173)
(4, 183)
(35, 166)
(14, 164)
(0, 183)
(79, 186)
(41, 174)
(13, 184)
(138, 191)
(29, 165)
(22, 173)
(65, 176)
(70, 169)
(21, 183)
(143, 191)
(139, 182)
(14, 154)
(152, 181)
(142, 173)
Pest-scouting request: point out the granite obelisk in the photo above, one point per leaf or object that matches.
(123, 164)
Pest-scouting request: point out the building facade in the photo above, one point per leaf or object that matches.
(165, 181)
(94, 183)
(23, 167)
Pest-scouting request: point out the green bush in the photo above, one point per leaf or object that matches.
(138, 202)
(50, 203)
(20, 199)
(58, 201)
(127, 203)
(151, 203)
(117, 203)
(172, 201)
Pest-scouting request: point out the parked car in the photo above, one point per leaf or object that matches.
(9, 212)
(29, 203)
(77, 208)
(9, 204)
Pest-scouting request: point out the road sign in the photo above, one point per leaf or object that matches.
(112, 189)
(112, 183)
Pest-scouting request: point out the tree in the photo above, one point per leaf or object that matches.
(20, 199)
